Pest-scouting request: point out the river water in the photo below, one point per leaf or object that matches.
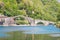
(50, 29)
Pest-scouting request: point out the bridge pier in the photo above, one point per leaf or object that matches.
(32, 23)
(46, 23)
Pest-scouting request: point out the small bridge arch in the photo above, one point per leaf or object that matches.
(29, 19)
(44, 22)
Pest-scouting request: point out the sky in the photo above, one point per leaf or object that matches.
(58, 0)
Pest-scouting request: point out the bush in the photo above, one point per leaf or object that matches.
(18, 22)
(19, 18)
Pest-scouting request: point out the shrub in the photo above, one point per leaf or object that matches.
(18, 22)
(58, 24)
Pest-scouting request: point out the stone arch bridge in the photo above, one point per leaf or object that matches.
(34, 22)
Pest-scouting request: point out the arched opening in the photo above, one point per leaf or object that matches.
(2, 21)
(40, 23)
(21, 21)
(50, 24)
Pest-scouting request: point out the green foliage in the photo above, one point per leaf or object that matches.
(18, 22)
(19, 18)
(58, 24)
(37, 9)
(58, 16)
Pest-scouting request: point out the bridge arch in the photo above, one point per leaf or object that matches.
(44, 22)
(40, 23)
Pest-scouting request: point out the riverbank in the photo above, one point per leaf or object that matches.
(15, 25)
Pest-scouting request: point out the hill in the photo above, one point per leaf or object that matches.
(37, 9)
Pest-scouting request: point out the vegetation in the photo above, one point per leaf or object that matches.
(37, 9)
(58, 24)
(40, 9)
(18, 22)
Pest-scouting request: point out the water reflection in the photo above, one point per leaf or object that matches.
(3, 35)
(50, 29)
(54, 35)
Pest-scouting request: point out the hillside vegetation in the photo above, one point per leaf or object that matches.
(37, 9)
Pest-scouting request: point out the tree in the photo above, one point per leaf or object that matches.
(40, 9)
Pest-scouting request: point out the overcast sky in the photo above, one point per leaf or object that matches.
(58, 0)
